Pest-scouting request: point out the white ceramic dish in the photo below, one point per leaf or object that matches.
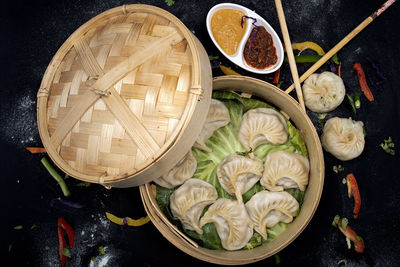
(238, 58)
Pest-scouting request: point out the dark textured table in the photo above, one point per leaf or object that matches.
(32, 31)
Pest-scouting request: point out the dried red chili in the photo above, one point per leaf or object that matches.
(68, 229)
(62, 224)
(352, 190)
(349, 233)
(362, 81)
(61, 245)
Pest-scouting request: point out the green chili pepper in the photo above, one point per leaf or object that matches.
(304, 58)
(353, 107)
(357, 101)
(46, 163)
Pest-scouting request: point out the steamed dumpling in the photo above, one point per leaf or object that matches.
(323, 92)
(343, 138)
(180, 173)
(237, 174)
(266, 209)
(218, 116)
(188, 202)
(283, 170)
(232, 222)
(262, 126)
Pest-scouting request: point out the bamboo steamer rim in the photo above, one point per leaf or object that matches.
(312, 196)
(195, 93)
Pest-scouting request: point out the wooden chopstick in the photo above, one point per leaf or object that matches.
(289, 51)
(342, 43)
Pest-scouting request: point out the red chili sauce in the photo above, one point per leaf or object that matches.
(259, 51)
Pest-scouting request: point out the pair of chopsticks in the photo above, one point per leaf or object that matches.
(327, 56)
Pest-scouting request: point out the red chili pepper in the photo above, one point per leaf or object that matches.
(276, 76)
(350, 234)
(362, 81)
(61, 245)
(68, 229)
(352, 190)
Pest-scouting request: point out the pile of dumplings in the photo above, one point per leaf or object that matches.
(235, 220)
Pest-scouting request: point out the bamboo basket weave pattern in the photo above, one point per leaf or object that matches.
(119, 96)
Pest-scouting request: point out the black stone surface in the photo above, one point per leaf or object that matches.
(31, 33)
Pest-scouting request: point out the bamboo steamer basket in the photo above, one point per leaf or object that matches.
(125, 97)
(273, 95)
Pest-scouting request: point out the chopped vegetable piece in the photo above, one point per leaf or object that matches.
(61, 245)
(33, 226)
(279, 84)
(213, 57)
(66, 253)
(338, 168)
(66, 203)
(339, 68)
(304, 58)
(93, 259)
(170, 2)
(228, 71)
(127, 221)
(83, 184)
(276, 76)
(352, 104)
(352, 190)
(101, 250)
(308, 45)
(277, 259)
(322, 116)
(357, 101)
(350, 234)
(344, 223)
(9, 247)
(335, 59)
(35, 150)
(18, 227)
(388, 146)
(56, 176)
(363, 83)
(344, 181)
(68, 229)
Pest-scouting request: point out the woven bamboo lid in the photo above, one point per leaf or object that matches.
(125, 97)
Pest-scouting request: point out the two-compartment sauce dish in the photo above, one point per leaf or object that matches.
(245, 38)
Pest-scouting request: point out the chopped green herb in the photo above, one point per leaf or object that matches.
(66, 176)
(335, 59)
(351, 101)
(83, 184)
(322, 116)
(18, 227)
(277, 259)
(213, 57)
(357, 101)
(321, 124)
(359, 238)
(388, 146)
(101, 250)
(336, 221)
(334, 96)
(33, 226)
(279, 84)
(338, 168)
(66, 252)
(9, 247)
(345, 222)
(93, 259)
(170, 2)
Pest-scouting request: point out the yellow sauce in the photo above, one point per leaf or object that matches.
(226, 29)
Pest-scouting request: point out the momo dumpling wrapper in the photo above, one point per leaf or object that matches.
(284, 170)
(182, 171)
(238, 174)
(189, 200)
(262, 126)
(217, 117)
(232, 222)
(343, 138)
(323, 92)
(266, 209)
